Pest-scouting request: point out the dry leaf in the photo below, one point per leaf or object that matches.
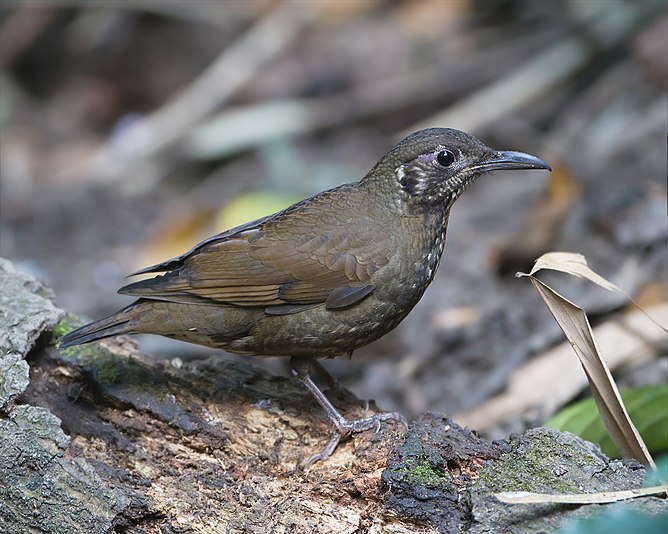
(526, 497)
(571, 263)
(576, 265)
(575, 325)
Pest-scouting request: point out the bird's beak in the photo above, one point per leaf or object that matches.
(508, 160)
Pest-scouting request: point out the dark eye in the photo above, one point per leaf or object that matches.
(445, 158)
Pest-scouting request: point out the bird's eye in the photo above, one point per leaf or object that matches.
(445, 158)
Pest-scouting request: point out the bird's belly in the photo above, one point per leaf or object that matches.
(320, 332)
(328, 333)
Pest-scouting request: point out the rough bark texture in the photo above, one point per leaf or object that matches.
(101, 438)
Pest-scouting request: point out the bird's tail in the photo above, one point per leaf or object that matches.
(121, 322)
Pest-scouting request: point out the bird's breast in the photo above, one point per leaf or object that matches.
(414, 263)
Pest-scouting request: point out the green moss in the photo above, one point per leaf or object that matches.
(532, 468)
(426, 475)
(421, 472)
(68, 323)
(518, 473)
(120, 376)
(107, 368)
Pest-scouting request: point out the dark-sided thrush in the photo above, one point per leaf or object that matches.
(323, 277)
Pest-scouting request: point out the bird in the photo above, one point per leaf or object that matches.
(321, 278)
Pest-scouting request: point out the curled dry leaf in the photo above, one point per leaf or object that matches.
(571, 263)
(575, 325)
(576, 265)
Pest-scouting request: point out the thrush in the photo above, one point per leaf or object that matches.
(323, 277)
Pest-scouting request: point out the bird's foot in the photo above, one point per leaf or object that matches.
(301, 368)
(325, 453)
(345, 428)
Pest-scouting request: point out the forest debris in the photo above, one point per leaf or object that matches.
(549, 381)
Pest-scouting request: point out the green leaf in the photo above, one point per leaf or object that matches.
(647, 407)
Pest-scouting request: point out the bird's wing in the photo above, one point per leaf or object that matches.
(282, 264)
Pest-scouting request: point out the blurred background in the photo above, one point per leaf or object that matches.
(131, 130)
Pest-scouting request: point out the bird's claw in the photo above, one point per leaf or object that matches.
(345, 428)
(326, 452)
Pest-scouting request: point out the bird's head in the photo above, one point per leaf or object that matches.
(437, 164)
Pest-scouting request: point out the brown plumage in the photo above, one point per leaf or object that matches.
(323, 277)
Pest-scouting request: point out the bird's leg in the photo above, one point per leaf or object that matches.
(333, 383)
(301, 367)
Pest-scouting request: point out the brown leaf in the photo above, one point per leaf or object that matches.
(576, 265)
(575, 325)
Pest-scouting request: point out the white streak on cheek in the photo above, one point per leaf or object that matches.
(400, 172)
